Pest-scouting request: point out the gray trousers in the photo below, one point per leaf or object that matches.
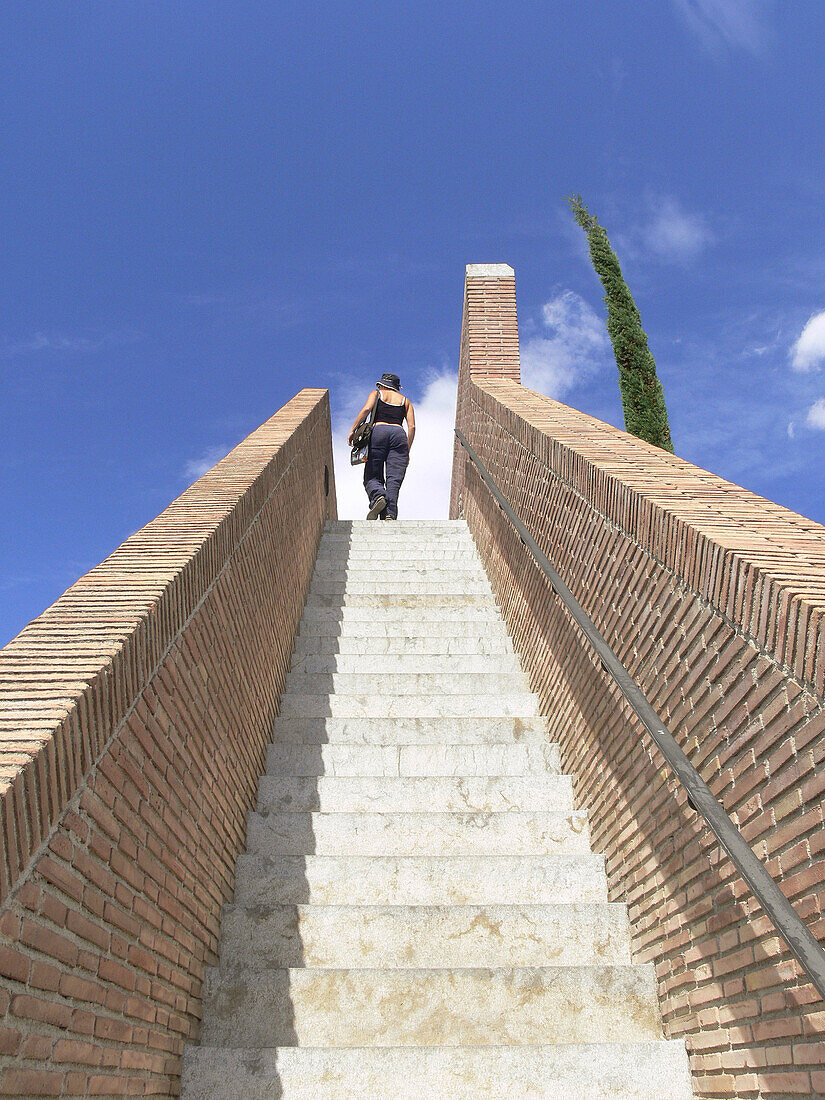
(386, 464)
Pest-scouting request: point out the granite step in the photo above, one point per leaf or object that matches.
(440, 618)
(385, 557)
(415, 936)
(419, 880)
(423, 570)
(516, 704)
(376, 539)
(462, 1006)
(397, 732)
(461, 641)
(406, 665)
(398, 601)
(386, 685)
(340, 525)
(380, 585)
(343, 567)
(424, 794)
(361, 531)
(517, 832)
(434, 759)
(584, 1071)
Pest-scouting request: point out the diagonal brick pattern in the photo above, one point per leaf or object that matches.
(713, 598)
(134, 718)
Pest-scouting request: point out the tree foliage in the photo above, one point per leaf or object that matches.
(643, 400)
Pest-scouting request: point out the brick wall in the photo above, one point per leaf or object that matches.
(134, 717)
(713, 598)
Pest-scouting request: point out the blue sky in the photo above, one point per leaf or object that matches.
(206, 206)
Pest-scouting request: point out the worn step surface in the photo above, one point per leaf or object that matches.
(409, 834)
(420, 794)
(436, 619)
(425, 685)
(434, 759)
(508, 733)
(415, 936)
(407, 665)
(458, 642)
(585, 1071)
(418, 913)
(396, 603)
(462, 1006)
(463, 568)
(395, 584)
(520, 704)
(419, 880)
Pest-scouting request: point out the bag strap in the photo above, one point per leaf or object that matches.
(368, 423)
(364, 430)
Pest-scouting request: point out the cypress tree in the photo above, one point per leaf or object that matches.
(643, 399)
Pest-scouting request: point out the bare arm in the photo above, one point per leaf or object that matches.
(362, 416)
(410, 424)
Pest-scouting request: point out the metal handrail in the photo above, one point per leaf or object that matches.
(787, 921)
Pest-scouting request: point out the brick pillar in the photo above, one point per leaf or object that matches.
(489, 345)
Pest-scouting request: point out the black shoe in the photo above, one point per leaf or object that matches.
(377, 508)
(390, 517)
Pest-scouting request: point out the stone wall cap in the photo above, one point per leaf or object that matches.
(489, 271)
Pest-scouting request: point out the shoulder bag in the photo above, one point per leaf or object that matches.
(361, 436)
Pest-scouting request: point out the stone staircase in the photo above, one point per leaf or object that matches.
(418, 914)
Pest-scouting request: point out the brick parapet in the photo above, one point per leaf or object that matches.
(713, 599)
(134, 718)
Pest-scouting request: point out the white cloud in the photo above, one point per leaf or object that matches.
(58, 342)
(816, 415)
(570, 345)
(574, 349)
(808, 352)
(425, 493)
(673, 233)
(197, 467)
(727, 24)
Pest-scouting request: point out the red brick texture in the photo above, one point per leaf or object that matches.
(134, 718)
(489, 343)
(713, 598)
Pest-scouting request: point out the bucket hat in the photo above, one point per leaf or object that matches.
(389, 381)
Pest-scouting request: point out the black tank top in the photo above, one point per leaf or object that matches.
(390, 414)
